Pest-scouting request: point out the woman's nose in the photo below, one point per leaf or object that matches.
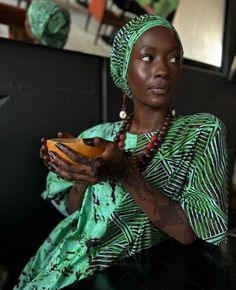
(161, 70)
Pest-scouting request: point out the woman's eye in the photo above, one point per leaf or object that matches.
(146, 58)
(175, 58)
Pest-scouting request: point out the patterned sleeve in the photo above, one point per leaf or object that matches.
(56, 192)
(205, 194)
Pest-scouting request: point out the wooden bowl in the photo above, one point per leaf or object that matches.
(76, 144)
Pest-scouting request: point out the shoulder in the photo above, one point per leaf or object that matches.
(200, 122)
(198, 129)
(105, 130)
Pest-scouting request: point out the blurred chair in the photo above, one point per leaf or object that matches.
(14, 17)
(83, 3)
(98, 10)
(27, 2)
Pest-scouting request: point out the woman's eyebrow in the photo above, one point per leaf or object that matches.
(147, 47)
(152, 49)
(176, 47)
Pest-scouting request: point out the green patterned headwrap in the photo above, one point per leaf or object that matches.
(49, 23)
(123, 44)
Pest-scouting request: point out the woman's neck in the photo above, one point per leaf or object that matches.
(147, 120)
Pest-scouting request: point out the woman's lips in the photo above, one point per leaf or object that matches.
(160, 89)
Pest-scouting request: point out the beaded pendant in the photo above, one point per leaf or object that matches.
(141, 161)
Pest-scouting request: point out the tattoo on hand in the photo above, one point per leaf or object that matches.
(107, 168)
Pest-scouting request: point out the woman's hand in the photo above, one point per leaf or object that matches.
(112, 163)
(43, 152)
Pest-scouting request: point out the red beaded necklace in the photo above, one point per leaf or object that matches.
(141, 161)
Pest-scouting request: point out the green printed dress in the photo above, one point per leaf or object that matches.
(190, 168)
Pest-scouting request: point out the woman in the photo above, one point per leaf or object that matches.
(47, 23)
(160, 175)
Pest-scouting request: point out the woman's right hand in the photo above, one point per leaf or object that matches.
(111, 163)
(43, 152)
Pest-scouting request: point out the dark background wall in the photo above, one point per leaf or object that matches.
(44, 90)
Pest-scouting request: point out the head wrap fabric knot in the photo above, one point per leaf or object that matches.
(49, 22)
(123, 44)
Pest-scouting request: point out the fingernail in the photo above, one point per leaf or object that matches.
(60, 146)
(50, 168)
(51, 165)
(88, 141)
(51, 154)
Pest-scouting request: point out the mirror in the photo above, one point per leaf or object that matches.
(79, 39)
(199, 23)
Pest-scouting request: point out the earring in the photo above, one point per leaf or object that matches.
(173, 112)
(123, 113)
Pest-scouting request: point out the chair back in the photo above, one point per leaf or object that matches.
(12, 15)
(97, 9)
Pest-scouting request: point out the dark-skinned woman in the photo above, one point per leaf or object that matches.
(160, 175)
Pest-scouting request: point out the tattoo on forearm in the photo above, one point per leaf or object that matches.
(163, 214)
(78, 190)
(169, 215)
(75, 190)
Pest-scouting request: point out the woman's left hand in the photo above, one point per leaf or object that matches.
(112, 163)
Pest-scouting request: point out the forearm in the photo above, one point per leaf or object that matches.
(165, 213)
(75, 197)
